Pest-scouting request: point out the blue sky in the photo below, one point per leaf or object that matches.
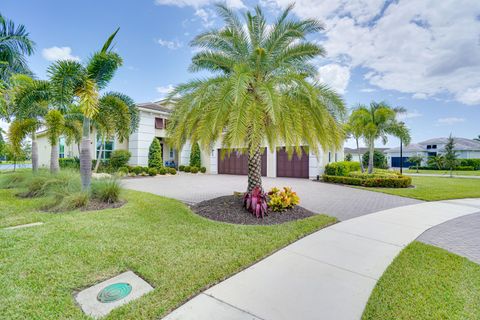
(423, 55)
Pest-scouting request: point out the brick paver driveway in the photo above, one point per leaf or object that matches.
(339, 201)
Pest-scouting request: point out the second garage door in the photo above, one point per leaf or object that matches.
(237, 163)
(296, 167)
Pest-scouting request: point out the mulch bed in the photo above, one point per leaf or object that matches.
(230, 209)
(99, 205)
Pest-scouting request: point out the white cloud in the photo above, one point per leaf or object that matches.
(409, 115)
(170, 44)
(450, 121)
(164, 90)
(206, 16)
(335, 76)
(420, 95)
(409, 47)
(59, 53)
(368, 90)
(236, 4)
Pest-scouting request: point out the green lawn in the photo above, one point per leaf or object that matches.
(425, 282)
(160, 239)
(437, 188)
(445, 172)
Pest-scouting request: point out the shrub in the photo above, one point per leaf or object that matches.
(341, 168)
(390, 182)
(187, 169)
(155, 155)
(203, 169)
(465, 168)
(172, 171)
(137, 170)
(119, 158)
(162, 171)
(106, 190)
(181, 168)
(195, 156)
(123, 170)
(348, 157)
(475, 163)
(194, 170)
(69, 163)
(70, 202)
(152, 172)
(256, 202)
(279, 200)
(379, 159)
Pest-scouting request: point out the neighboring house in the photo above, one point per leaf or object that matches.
(465, 149)
(153, 120)
(361, 151)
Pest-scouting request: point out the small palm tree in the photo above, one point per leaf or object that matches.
(15, 45)
(72, 81)
(377, 121)
(262, 90)
(354, 130)
(416, 160)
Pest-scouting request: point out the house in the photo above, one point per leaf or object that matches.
(360, 151)
(153, 120)
(465, 149)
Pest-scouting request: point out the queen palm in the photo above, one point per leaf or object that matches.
(262, 90)
(354, 130)
(72, 81)
(377, 121)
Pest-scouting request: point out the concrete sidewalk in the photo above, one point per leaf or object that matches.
(327, 275)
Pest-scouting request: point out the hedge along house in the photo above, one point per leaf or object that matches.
(464, 148)
(153, 120)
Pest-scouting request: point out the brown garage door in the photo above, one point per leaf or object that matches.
(237, 163)
(296, 167)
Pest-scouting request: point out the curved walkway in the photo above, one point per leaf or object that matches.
(460, 236)
(327, 275)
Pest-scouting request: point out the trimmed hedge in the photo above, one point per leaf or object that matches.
(341, 168)
(458, 168)
(475, 163)
(382, 182)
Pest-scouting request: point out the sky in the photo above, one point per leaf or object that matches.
(423, 55)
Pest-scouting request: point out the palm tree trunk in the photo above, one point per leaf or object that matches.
(360, 157)
(254, 169)
(85, 155)
(54, 166)
(370, 158)
(34, 152)
(99, 156)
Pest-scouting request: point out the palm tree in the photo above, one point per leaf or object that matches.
(72, 81)
(377, 121)
(354, 129)
(117, 116)
(15, 44)
(262, 90)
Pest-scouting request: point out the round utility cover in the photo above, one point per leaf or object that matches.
(114, 292)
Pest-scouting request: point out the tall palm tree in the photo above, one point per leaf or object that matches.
(377, 121)
(15, 44)
(262, 90)
(72, 81)
(117, 117)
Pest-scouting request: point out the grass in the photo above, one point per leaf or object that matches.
(445, 172)
(426, 282)
(160, 239)
(437, 188)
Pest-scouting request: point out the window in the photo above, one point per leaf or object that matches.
(107, 148)
(159, 123)
(329, 156)
(336, 157)
(61, 148)
(171, 153)
(434, 146)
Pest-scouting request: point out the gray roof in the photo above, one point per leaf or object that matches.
(156, 106)
(460, 144)
(361, 150)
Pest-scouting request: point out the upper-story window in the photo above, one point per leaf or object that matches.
(434, 146)
(159, 123)
(429, 147)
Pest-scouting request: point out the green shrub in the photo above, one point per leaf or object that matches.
(376, 174)
(397, 182)
(155, 154)
(152, 172)
(187, 168)
(379, 159)
(171, 170)
(195, 156)
(341, 168)
(123, 170)
(119, 158)
(281, 200)
(194, 170)
(348, 157)
(106, 190)
(162, 171)
(203, 169)
(475, 163)
(137, 170)
(69, 163)
(70, 202)
(181, 168)
(465, 168)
